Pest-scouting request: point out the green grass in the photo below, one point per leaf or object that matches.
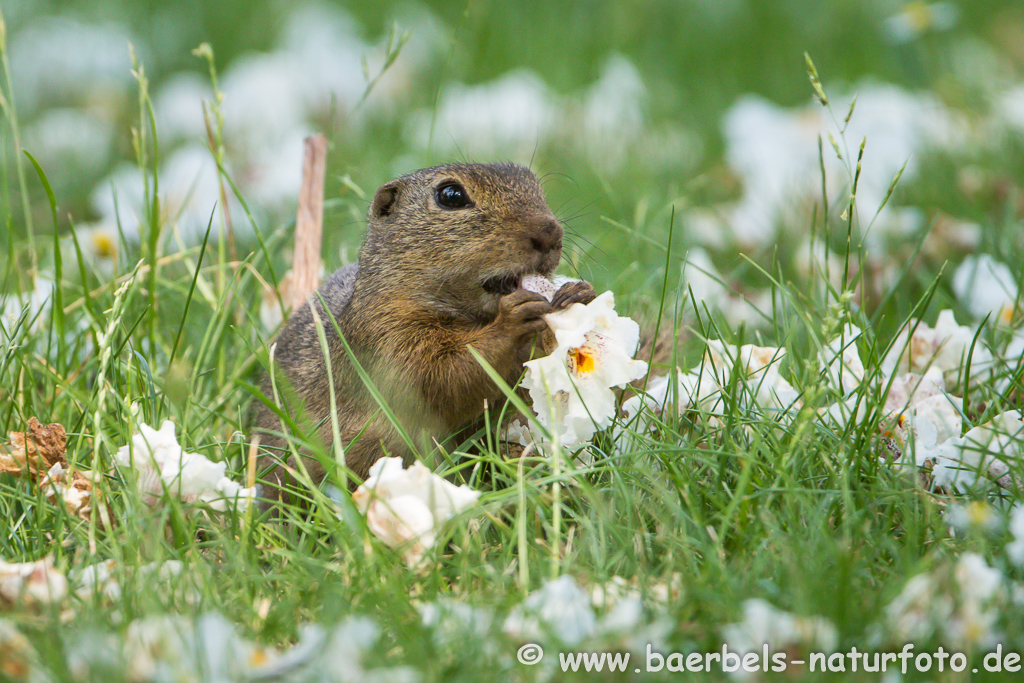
(723, 504)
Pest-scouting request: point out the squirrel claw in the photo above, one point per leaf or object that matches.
(575, 292)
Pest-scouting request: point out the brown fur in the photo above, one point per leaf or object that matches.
(424, 291)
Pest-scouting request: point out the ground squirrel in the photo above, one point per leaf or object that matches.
(440, 270)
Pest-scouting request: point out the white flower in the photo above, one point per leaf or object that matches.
(99, 577)
(910, 388)
(325, 41)
(985, 450)
(964, 611)
(661, 392)
(572, 388)
(919, 609)
(513, 112)
(974, 516)
(765, 625)
(70, 143)
(1015, 548)
(264, 96)
(986, 287)
(34, 304)
(178, 108)
(946, 347)
(99, 245)
(760, 368)
(31, 583)
(973, 625)
(919, 17)
(59, 59)
(559, 608)
(932, 421)
(406, 507)
(118, 200)
(709, 289)
(612, 116)
(159, 461)
(845, 369)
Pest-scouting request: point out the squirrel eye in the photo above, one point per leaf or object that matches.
(453, 196)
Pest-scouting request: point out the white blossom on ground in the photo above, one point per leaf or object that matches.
(69, 142)
(946, 347)
(210, 648)
(405, 507)
(515, 111)
(99, 244)
(918, 18)
(661, 392)
(959, 603)
(986, 287)
(764, 625)
(987, 450)
(702, 386)
(158, 461)
(99, 577)
(613, 112)
(974, 516)
(710, 289)
(571, 389)
(910, 388)
(760, 368)
(33, 304)
(560, 608)
(1015, 548)
(845, 369)
(31, 583)
(58, 59)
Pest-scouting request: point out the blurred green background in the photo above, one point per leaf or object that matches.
(619, 105)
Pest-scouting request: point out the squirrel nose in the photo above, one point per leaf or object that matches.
(548, 237)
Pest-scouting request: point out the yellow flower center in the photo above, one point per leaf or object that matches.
(920, 15)
(581, 360)
(104, 245)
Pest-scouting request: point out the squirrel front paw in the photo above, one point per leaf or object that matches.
(575, 292)
(521, 312)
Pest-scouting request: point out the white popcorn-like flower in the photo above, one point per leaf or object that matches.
(974, 624)
(932, 421)
(985, 450)
(974, 516)
(704, 383)
(845, 369)
(560, 608)
(946, 347)
(1015, 548)
(918, 18)
(710, 289)
(986, 287)
(760, 365)
(34, 305)
(662, 393)
(514, 111)
(572, 388)
(406, 507)
(32, 583)
(765, 625)
(910, 388)
(963, 611)
(99, 577)
(160, 462)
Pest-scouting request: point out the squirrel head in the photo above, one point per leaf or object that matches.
(460, 236)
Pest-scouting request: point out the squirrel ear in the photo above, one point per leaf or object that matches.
(384, 200)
